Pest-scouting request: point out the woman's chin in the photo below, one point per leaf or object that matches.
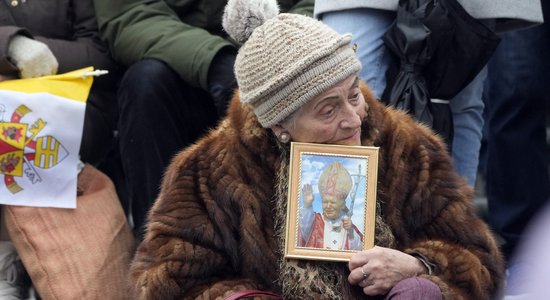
(349, 142)
(354, 140)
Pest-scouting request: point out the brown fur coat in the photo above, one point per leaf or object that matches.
(212, 229)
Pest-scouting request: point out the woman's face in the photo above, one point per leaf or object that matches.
(333, 117)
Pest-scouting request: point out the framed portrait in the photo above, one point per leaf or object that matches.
(331, 201)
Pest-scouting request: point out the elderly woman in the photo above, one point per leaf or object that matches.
(217, 226)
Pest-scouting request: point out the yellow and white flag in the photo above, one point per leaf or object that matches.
(41, 122)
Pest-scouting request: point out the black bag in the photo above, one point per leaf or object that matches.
(438, 50)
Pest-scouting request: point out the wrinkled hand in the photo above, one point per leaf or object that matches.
(221, 79)
(385, 267)
(31, 57)
(307, 195)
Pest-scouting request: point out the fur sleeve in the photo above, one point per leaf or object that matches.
(444, 228)
(430, 209)
(191, 249)
(210, 232)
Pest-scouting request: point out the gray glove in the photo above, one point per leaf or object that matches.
(31, 57)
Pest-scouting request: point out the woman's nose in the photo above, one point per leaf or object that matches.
(350, 118)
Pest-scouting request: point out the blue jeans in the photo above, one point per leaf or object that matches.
(368, 26)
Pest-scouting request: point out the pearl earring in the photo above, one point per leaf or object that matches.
(284, 137)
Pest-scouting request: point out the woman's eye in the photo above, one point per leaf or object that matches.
(327, 111)
(354, 98)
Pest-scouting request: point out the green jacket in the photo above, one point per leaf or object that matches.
(186, 34)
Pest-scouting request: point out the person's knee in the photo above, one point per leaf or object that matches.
(415, 288)
(148, 75)
(147, 82)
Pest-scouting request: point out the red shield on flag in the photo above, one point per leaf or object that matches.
(12, 144)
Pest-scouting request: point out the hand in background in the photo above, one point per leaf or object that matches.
(221, 79)
(31, 57)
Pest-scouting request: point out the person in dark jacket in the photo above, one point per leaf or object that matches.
(179, 81)
(40, 38)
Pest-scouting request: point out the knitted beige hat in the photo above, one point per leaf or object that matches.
(286, 59)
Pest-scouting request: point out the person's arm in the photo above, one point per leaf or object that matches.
(435, 218)
(193, 245)
(7, 66)
(457, 244)
(150, 29)
(444, 228)
(24, 57)
(85, 48)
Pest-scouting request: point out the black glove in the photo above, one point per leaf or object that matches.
(221, 79)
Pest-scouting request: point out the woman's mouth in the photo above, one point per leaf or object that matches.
(352, 137)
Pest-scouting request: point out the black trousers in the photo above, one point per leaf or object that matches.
(516, 94)
(159, 115)
(99, 126)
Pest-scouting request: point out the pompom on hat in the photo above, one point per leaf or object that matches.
(285, 59)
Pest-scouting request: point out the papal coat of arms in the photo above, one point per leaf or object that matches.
(22, 150)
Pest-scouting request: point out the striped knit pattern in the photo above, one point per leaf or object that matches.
(289, 60)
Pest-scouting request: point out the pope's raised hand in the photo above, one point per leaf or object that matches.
(307, 195)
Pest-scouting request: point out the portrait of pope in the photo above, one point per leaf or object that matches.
(331, 228)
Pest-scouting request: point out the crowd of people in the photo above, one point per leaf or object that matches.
(194, 123)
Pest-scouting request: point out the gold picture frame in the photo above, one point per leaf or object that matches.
(327, 169)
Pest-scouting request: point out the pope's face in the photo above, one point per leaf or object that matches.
(332, 207)
(333, 117)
